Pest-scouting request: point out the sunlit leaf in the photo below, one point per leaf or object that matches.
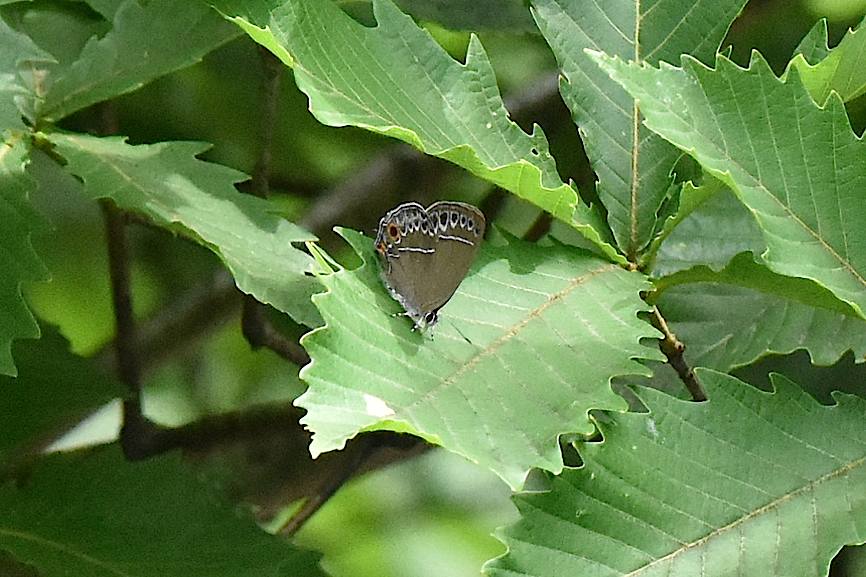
(525, 348)
(842, 69)
(749, 483)
(798, 167)
(396, 80)
(168, 185)
(633, 164)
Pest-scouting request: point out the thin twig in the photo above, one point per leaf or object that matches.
(673, 349)
(272, 72)
(137, 433)
(356, 454)
(260, 332)
(366, 453)
(255, 325)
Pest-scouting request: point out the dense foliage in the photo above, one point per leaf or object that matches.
(658, 351)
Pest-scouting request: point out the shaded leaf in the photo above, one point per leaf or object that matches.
(53, 389)
(499, 15)
(798, 168)
(168, 185)
(716, 229)
(815, 46)
(842, 69)
(733, 317)
(396, 80)
(633, 164)
(524, 349)
(743, 270)
(148, 40)
(749, 483)
(21, 63)
(95, 515)
(18, 260)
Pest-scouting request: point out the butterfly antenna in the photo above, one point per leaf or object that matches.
(459, 332)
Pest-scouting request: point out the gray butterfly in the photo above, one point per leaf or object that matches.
(426, 252)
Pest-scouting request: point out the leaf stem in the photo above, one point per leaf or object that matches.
(673, 349)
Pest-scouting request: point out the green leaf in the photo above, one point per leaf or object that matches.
(525, 348)
(798, 167)
(842, 69)
(20, 64)
(148, 40)
(396, 80)
(716, 226)
(744, 271)
(54, 389)
(94, 515)
(815, 46)
(18, 260)
(498, 15)
(733, 317)
(634, 165)
(168, 185)
(749, 483)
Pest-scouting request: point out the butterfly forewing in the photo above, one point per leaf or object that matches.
(425, 253)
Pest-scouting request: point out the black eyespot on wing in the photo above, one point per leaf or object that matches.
(443, 220)
(470, 224)
(424, 225)
(453, 217)
(462, 221)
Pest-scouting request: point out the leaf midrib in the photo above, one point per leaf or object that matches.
(635, 146)
(759, 185)
(515, 329)
(759, 511)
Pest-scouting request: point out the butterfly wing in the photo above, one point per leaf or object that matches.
(426, 253)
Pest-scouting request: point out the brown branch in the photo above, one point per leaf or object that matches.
(273, 69)
(355, 455)
(260, 332)
(368, 452)
(255, 325)
(137, 432)
(673, 349)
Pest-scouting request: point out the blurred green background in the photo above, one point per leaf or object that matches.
(431, 515)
